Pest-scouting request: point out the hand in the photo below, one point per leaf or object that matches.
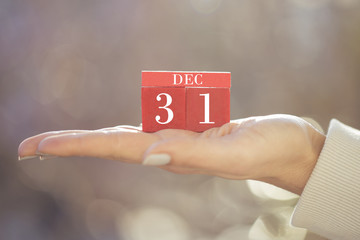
(278, 149)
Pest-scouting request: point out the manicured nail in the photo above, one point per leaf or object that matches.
(26, 157)
(157, 159)
(46, 156)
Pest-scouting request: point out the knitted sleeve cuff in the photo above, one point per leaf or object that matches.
(329, 204)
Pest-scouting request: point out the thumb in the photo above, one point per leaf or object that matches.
(199, 153)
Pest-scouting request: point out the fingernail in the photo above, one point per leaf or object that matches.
(157, 159)
(46, 156)
(26, 157)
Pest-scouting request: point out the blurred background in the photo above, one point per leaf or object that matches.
(76, 64)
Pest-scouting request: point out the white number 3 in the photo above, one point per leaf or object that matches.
(169, 111)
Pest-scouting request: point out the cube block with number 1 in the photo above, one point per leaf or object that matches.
(193, 101)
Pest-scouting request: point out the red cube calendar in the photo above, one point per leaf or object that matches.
(194, 101)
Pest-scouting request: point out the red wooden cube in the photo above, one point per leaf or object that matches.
(194, 101)
(163, 108)
(207, 108)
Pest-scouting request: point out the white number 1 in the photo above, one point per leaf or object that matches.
(207, 109)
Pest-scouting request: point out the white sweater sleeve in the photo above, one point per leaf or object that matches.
(330, 202)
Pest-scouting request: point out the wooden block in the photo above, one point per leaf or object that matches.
(194, 101)
(163, 108)
(207, 108)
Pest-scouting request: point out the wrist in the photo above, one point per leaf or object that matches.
(317, 140)
(297, 168)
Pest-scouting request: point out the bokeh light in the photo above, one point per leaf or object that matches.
(206, 6)
(152, 223)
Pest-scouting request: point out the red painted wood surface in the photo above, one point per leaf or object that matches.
(194, 101)
(207, 108)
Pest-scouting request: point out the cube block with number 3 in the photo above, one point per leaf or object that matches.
(194, 101)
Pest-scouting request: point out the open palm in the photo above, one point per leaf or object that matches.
(278, 149)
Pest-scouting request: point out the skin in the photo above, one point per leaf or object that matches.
(277, 149)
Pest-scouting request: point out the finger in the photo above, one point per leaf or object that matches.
(27, 148)
(205, 154)
(126, 145)
(183, 170)
(120, 127)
